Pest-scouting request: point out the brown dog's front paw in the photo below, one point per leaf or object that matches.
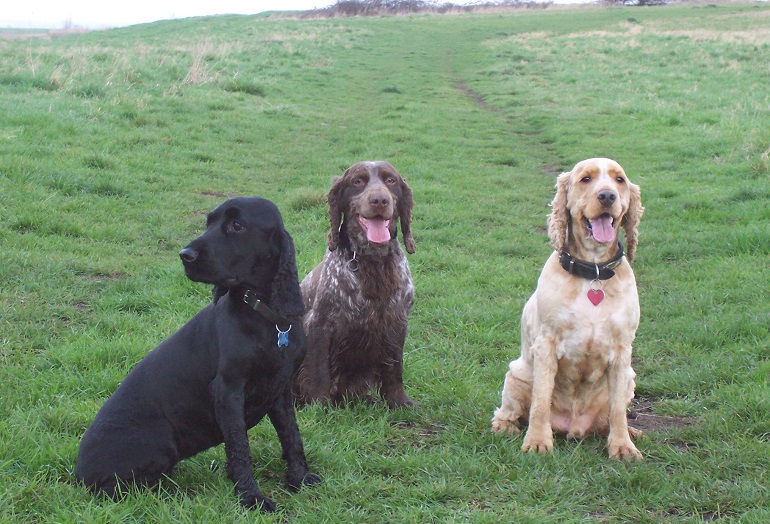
(405, 402)
(537, 443)
(624, 451)
(396, 397)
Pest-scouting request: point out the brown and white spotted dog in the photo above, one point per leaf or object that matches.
(358, 299)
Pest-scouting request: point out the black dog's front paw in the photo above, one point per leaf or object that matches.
(257, 501)
(295, 482)
(311, 479)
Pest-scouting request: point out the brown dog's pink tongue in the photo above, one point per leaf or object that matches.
(602, 229)
(377, 230)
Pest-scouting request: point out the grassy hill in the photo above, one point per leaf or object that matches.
(114, 144)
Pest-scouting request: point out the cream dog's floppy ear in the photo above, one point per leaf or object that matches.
(558, 220)
(631, 219)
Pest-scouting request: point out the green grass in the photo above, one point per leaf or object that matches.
(115, 144)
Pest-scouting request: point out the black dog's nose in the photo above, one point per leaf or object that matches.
(188, 255)
(606, 197)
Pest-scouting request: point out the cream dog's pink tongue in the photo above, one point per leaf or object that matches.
(602, 229)
(376, 229)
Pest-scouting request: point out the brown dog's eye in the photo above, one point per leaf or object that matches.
(391, 181)
(358, 182)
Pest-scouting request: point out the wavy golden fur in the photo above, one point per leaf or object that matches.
(574, 374)
(570, 192)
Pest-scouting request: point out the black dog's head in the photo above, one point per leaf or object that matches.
(246, 245)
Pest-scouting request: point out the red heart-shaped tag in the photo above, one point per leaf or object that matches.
(595, 296)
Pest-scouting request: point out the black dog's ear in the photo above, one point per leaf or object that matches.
(286, 297)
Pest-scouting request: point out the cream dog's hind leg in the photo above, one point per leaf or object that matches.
(517, 395)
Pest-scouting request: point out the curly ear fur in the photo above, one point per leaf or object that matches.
(405, 204)
(335, 211)
(558, 220)
(218, 292)
(285, 296)
(631, 219)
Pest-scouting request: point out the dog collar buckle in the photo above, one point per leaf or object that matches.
(591, 270)
(250, 299)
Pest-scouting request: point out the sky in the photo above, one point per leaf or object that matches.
(97, 14)
(100, 14)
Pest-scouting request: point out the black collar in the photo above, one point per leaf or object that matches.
(589, 270)
(253, 300)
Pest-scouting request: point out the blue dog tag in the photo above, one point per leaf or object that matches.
(283, 336)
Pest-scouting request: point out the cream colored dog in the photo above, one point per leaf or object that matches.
(574, 374)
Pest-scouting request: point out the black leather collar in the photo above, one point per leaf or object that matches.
(253, 300)
(589, 270)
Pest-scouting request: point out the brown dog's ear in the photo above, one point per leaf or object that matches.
(558, 220)
(285, 295)
(405, 204)
(630, 220)
(335, 211)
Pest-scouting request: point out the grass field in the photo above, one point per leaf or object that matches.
(114, 145)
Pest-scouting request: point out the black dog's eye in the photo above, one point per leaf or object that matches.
(235, 227)
(620, 180)
(585, 179)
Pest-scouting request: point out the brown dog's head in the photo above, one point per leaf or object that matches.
(592, 201)
(364, 204)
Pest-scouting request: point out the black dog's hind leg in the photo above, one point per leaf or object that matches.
(229, 410)
(284, 421)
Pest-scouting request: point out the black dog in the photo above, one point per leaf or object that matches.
(221, 373)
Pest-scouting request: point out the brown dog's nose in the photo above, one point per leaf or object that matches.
(606, 197)
(379, 200)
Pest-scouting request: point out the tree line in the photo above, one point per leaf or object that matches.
(378, 7)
